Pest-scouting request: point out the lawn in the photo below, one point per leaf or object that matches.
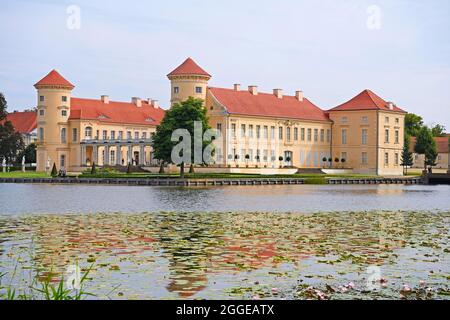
(20, 174)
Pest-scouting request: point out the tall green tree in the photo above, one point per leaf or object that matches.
(426, 145)
(438, 131)
(3, 107)
(407, 156)
(413, 124)
(181, 116)
(29, 152)
(11, 142)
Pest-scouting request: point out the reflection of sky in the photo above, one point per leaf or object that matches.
(22, 198)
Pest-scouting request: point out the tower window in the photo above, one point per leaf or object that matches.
(41, 112)
(198, 90)
(41, 98)
(63, 135)
(64, 98)
(64, 113)
(176, 90)
(41, 134)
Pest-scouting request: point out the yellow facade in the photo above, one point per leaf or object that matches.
(370, 141)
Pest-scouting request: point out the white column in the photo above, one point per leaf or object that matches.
(142, 155)
(119, 155)
(95, 155)
(83, 155)
(130, 154)
(106, 156)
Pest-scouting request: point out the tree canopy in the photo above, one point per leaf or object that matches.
(3, 107)
(181, 116)
(426, 145)
(413, 124)
(407, 157)
(438, 131)
(10, 141)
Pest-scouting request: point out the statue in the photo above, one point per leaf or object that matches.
(23, 164)
(47, 165)
(4, 165)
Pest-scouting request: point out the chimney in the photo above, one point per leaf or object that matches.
(155, 104)
(237, 87)
(278, 93)
(149, 101)
(299, 95)
(390, 105)
(105, 99)
(137, 101)
(253, 90)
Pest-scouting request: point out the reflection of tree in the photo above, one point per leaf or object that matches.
(187, 240)
(200, 244)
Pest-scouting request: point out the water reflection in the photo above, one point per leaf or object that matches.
(234, 247)
(59, 199)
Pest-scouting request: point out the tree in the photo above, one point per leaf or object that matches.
(54, 172)
(29, 152)
(426, 145)
(93, 169)
(181, 116)
(413, 124)
(11, 142)
(3, 107)
(407, 156)
(438, 131)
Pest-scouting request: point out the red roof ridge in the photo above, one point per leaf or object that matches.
(366, 100)
(189, 66)
(54, 78)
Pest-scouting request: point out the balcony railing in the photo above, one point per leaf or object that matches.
(116, 141)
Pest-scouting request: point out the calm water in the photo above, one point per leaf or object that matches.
(230, 243)
(27, 198)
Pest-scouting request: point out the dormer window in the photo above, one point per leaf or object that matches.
(149, 120)
(103, 117)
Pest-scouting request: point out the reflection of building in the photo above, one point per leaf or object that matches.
(25, 123)
(258, 129)
(443, 159)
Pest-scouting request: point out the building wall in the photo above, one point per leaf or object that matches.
(392, 122)
(442, 161)
(306, 150)
(53, 115)
(187, 88)
(367, 155)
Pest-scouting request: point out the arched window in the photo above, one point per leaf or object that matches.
(63, 135)
(88, 133)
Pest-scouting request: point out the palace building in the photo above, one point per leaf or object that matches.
(258, 130)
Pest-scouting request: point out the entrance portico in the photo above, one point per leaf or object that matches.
(116, 152)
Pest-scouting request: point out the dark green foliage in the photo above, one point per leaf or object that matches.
(413, 124)
(426, 145)
(3, 107)
(129, 168)
(54, 172)
(407, 156)
(29, 153)
(93, 169)
(181, 116)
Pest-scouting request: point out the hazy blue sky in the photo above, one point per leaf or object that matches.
(325, 48)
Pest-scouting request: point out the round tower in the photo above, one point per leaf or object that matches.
(53, 96)
(188, 80)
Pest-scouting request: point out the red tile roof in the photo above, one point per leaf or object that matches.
(115, 112)
(54, 79)
(267, 105)
(23, 122)
(442, 144)
(189, 67)
(366, 100)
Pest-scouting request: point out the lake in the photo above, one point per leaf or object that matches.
(249, 242)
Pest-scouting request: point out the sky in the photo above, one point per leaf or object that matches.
(330, 49)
